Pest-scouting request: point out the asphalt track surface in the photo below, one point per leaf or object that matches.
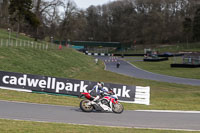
(130, 70)
(134, 119)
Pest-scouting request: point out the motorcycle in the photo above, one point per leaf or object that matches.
(108, 102)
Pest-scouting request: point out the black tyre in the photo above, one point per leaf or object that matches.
(118, 108)
(84, 107)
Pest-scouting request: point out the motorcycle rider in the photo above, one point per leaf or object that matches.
(98, 90)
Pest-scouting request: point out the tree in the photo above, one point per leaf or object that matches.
(187, 28)
(147, 21)
(196, 25)
(4, 13)
(32, 19)
(49, 17)
(20, 10)
(93, 19)
(68, 24)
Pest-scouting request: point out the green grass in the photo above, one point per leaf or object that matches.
(63, 63)
(16, 126)
(180, 47)
(4, 34)
(164, 67)
(162, 48)
(4, 37)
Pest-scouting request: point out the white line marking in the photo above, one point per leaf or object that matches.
(21, 90)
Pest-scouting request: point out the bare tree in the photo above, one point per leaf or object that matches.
(48, 13)
(67, 26)
(4, 13)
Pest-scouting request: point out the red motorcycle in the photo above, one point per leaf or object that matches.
(107, 102)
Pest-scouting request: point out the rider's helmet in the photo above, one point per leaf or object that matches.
(100, 84)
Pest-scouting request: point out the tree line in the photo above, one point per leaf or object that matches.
(139, 21)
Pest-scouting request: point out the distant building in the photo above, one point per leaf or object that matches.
(192, 58)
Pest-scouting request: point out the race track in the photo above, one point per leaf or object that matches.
(130, 70)
(134, 119)
(180, 120)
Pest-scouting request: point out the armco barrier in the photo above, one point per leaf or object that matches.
(185, 65)
(98, 54)
(155, 60)
(169, 55)
(29, 83)
(107, 54)
(129, 54)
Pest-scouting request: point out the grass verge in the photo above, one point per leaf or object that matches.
(16, 126)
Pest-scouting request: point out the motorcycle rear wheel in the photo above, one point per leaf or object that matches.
(118, 108)
(84, 107)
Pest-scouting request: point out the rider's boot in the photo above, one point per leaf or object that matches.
(95, 101)
(91, 102)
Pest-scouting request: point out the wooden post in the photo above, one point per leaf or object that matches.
(7, 43)
(20, 43)
(12, 42)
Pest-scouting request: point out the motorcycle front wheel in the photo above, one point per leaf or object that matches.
(85, 107)
(118, 108)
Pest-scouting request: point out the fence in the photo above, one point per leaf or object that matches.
(28, 44)
(23, 43)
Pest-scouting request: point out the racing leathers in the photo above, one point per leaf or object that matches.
(97, 91)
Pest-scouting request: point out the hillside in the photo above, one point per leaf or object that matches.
(4, 34)
(34, 59)
(61, 63)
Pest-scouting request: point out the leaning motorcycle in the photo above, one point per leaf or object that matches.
(107, 102)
